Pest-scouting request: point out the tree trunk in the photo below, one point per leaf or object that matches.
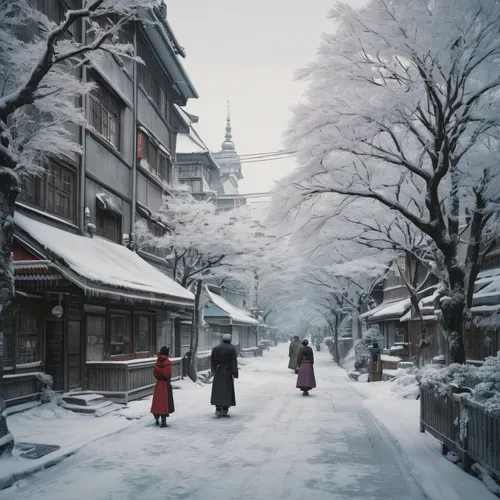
(193, 347)
(356, 334)
(9, 190)
(453, 312)
(336, 355)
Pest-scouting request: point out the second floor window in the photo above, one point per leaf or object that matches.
(60, 191)
(104, 114)
(158, 162)
(190, 171)
(53, 9)
(109, 225)
(54, 191)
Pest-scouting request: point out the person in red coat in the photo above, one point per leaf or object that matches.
(163, 400)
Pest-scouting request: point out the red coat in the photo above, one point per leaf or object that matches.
(163, 373)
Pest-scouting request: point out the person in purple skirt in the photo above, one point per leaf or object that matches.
(305, 362)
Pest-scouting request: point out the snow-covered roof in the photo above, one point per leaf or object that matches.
(237, 315)
(381, 306)
(101, 266)
(186, 144)
(393, 310)
(390, 359)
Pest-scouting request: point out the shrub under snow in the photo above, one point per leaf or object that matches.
(362, 347)
(484, 381)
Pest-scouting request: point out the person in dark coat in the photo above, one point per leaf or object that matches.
(305, 361)
(224, 365)
(163, 398)
(293, 352)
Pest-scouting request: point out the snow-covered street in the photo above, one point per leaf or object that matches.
(277, 444)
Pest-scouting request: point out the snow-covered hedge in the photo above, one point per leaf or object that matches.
(484, 381)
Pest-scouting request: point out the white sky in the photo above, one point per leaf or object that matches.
(247, 51)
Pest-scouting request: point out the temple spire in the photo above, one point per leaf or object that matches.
(228, 144)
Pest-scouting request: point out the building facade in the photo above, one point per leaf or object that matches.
(399, 323)
(195, 163)
(85, 295)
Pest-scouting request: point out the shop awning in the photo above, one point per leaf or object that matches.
(221, 308)
(100, 267)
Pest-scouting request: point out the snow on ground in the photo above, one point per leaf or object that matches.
(396, 406)
(276, 445)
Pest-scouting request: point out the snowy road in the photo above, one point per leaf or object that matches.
(276, 445)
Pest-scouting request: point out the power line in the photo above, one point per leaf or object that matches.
(273, 153)
(258, 160)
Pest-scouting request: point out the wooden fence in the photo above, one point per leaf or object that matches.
(464, 427)
(21, 388)
(124, 381)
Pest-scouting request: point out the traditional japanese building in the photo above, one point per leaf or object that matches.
(92, 308)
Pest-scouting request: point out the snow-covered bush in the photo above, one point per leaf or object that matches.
(484, 381)
(47, 394)
(405, 385)
(362, 347)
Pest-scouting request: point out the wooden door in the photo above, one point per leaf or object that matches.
(54, 363)
(74, 355)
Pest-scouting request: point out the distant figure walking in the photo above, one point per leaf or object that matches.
(163, 398)
(306, 379)
(293, 352)
(224, 365)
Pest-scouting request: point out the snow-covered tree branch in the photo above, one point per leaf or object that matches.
(403, 111)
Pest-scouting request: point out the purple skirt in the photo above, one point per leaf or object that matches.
(306, 380)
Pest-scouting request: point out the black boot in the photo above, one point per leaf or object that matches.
(157, 419)
(163, 421)
(218, 411)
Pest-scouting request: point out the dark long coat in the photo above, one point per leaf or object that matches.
(163, 398)
(224, 364)
(293, 352)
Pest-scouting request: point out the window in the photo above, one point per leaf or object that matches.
(32, 191)
(53, 9)
(190, 171)
(120, 340)
(104, 114)
(8, 343)
(27, 336)
(158, 162)
(95, 328)
(196, 186)
(158, 231)
(54, 191)
(207, 174)
(165, 168)
(109, 225)
(60, 191)
(143, 333)
(150, 84)
(163, 331)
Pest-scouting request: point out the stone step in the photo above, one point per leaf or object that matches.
(91, 404)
